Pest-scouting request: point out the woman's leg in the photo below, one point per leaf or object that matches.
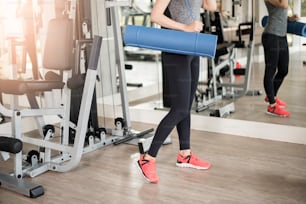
(178, 70)
(183, 127)
(283, 64)
(271, 52)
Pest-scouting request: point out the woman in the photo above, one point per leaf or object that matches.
(183, 74)
(276, 52)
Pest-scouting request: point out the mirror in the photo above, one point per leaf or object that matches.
(251, 107)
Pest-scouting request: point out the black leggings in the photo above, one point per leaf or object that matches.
(182, 73)
(277, 61)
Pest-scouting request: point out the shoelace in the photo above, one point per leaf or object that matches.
(144, 161)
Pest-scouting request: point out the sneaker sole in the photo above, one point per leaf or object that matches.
(144, 176)
(277, 115)
(186, 165)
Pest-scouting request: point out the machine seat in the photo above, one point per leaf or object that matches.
(18, 87)
(11, 145)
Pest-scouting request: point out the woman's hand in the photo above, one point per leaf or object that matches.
(195, 26)
(294, 17)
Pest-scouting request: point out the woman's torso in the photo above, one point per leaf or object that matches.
(185, 11)
(277, 23)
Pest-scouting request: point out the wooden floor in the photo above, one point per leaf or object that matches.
(244, 170)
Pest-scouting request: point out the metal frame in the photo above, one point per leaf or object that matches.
(113, 19)
(57, 155)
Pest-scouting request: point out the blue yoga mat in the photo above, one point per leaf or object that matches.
(296, 28)
(171, 41)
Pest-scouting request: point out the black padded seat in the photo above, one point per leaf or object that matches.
(18, 87)
(223, 49)
(11, 145)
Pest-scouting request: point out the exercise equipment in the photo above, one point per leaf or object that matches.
(217, 88)
(138, 9)
(223, 63)
(54, 150)
(242, 89)
(124, 129)
(57, 57)
(15, 183)
(293, 27)
(173, 41)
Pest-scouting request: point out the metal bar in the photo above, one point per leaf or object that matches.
(87, 96)
(121, 68)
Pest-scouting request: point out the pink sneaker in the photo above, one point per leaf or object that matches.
(281, 103)
(192, 161)
(148, 168)
(277, 111)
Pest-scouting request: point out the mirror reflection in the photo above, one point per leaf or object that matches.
(237, 70)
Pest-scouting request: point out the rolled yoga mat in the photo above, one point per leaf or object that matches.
(171, 41)
(293, 27)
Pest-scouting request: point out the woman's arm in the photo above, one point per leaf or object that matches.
(210, 5)
(279, 3)
(158, 16)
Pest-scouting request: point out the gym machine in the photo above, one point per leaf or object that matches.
(114, 33)
(61, 146)
(86, 23)
(242, 89)
(217, 88)
(55, 153)
(224, 61)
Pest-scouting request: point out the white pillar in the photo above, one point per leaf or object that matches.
(296, 41)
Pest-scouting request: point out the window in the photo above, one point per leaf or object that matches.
(303, 8)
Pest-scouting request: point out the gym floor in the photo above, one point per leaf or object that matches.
(245, 170)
